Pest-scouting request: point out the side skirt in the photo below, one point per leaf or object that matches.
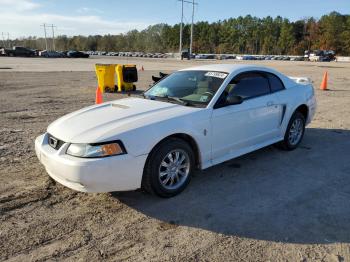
(243, 151)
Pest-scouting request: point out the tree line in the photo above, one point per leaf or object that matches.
(241, 35)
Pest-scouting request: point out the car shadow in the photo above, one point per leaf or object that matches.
(301, 196)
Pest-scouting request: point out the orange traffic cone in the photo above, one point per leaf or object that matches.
(98, 97)
(324, 81)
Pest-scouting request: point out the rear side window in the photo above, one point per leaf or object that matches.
(275, 83)
(249, 85)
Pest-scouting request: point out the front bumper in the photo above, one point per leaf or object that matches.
(116, 173)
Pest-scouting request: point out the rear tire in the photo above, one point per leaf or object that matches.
(294, 133)
(169, 168)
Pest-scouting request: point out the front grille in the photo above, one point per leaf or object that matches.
(54, 142)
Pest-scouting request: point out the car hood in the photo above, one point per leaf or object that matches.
(99, 123)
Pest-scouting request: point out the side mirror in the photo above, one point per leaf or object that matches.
(234, 100)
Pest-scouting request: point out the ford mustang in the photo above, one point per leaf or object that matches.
(191, 119)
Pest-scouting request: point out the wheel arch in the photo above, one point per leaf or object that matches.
(303, 108)
(284, 144)
(186, 138)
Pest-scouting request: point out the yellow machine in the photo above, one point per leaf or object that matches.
(105, 77)
(126, 77)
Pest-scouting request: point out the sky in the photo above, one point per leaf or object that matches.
(22, 18)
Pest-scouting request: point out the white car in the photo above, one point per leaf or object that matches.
(193, 118)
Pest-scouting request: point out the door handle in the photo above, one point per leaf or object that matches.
(270, 103)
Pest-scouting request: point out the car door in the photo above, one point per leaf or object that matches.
(237, 129)
(281, 97)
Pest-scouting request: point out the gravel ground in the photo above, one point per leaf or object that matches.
(269, 205)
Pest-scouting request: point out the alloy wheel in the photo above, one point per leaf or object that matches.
(174, 169)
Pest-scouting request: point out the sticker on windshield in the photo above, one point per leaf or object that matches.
(203, 98)
(216, 74)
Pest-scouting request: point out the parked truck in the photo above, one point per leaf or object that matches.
(17, 51)
(320, 55)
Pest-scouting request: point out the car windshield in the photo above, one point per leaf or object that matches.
(191, 87)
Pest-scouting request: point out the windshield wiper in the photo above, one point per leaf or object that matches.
(174, 98)
(177, 99)
(180, 100)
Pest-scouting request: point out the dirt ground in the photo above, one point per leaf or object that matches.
(269, 205)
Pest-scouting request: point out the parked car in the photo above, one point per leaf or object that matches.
(192, 119)
(297, 58)
(225, 57)
(259, 57)
(248, 57)
(279, 58)
(200, 56)
(51, 54)
(77, 54)
(204, 56)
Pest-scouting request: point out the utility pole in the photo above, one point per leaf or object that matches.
(3, 39)
(182, 18)
(44, 25)
(8, 40)
(53, 37)
(191, 41)
(181, 25)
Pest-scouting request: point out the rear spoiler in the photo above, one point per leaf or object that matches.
(301, 80)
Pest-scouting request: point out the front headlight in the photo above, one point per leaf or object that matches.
(96, 150)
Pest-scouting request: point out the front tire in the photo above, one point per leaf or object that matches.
(294, 133)
(169, 168)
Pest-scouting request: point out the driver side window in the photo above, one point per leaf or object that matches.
(246, 85)
(249, 85)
